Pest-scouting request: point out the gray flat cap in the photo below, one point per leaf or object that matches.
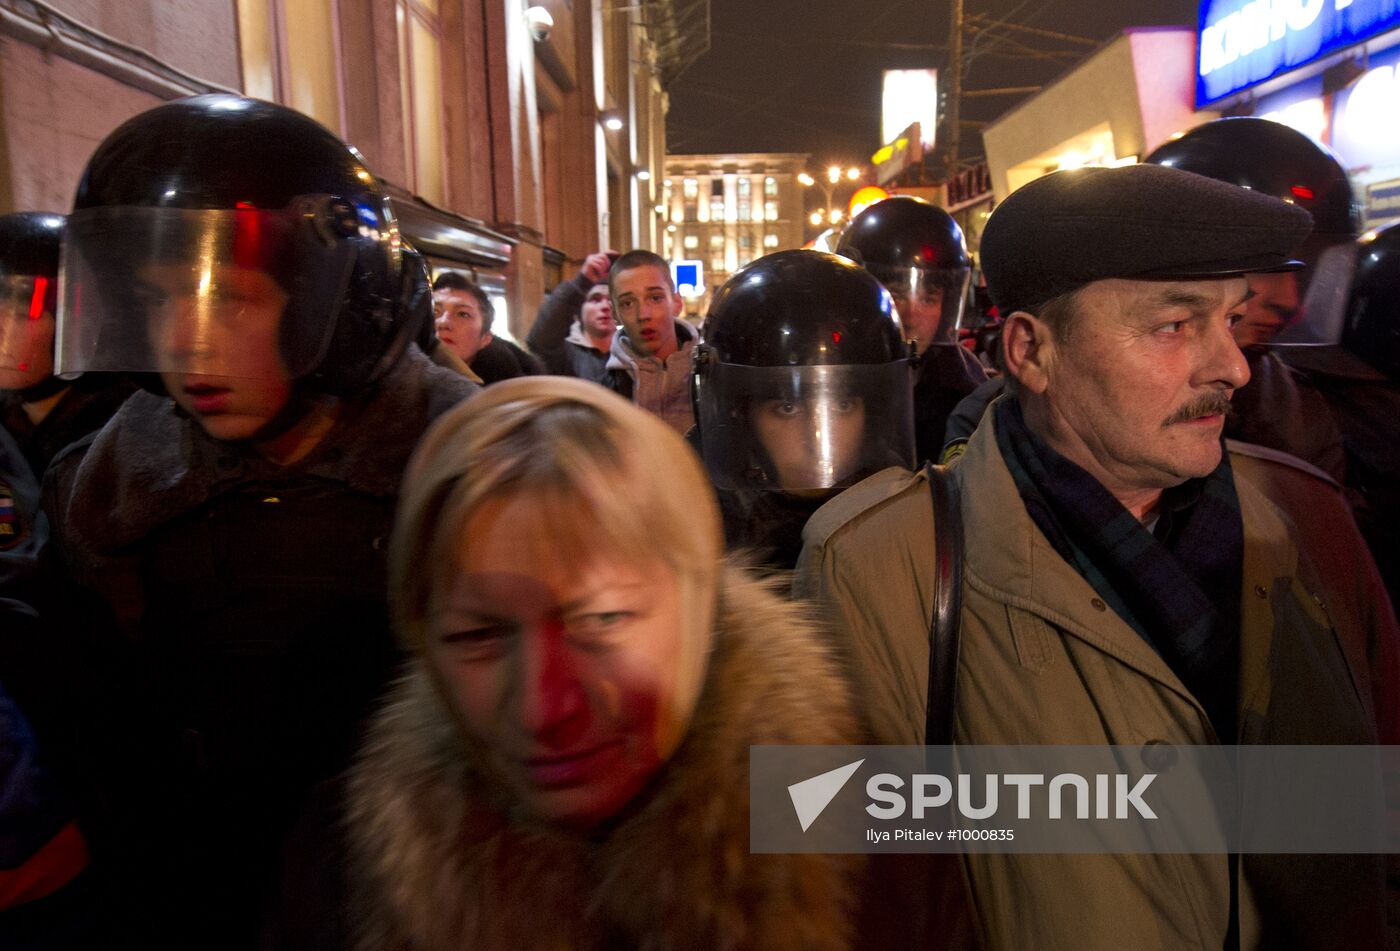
(1071, 228)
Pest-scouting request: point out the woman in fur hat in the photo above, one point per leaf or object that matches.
(565, 762)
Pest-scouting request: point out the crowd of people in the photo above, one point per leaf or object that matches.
(336, 620)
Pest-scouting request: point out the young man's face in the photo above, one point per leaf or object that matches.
(460, 324)
(597, 313)
(647, 307)
(219, 347)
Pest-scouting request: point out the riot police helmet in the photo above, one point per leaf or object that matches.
(208, 219)
(803, 383)
(1275, 159)
(917, 251)
(29, 255)
(1373, 320)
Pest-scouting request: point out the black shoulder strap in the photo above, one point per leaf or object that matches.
(947, 606)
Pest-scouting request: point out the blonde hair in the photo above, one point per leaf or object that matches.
(634, 488)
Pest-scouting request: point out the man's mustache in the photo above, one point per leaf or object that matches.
(1212, 404)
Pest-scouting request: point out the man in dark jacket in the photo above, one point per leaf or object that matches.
(574, 329)
(233, 516)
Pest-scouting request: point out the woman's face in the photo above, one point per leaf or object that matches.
(560, 661)
(813, 444)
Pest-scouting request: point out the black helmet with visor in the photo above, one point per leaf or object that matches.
(207, 219)
(803, 383)
(918, 252)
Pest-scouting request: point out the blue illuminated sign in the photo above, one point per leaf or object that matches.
(1244, 42)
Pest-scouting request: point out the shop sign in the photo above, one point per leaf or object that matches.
(689, 278)
(1243, 42)
(1382, 203)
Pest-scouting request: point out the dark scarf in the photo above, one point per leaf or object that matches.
(1179, 587)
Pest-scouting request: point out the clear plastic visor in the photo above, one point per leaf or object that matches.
(1324, 289)
(26, 324)
(802, 429)
(931, 302)
(242, 293)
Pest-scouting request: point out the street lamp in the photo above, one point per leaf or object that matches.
(829, 212)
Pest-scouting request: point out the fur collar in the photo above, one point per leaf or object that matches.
(440, 865)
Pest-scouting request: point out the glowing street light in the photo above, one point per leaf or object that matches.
(830, 212)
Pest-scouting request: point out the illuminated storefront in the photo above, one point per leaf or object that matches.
(1329, 68)
(1124, 100)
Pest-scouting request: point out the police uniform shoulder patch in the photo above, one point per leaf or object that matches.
(13, 529)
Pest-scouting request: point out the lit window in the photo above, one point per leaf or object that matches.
(717, 208)
(420, 79)
(690, 188)
(744, 187)
(770, 187)
(770, 210)
(306, 78)
(716, 241)
(770, 241)
(691, 242)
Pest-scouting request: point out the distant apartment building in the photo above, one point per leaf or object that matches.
(727, 210)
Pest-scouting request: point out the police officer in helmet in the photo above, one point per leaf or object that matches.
(242, 264)
(1316, 389)
(1280, 407)
(801, 387)
(917, 251)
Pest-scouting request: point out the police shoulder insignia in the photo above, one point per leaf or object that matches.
(951, 451)
(12, 527)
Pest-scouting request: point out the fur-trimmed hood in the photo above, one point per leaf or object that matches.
(437, 863)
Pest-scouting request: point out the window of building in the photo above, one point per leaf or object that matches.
(745, 249)
(420, 78)
(717, 259)
(770, 210)
(290, 54)
(770, 187)
(770, 241)
(716, 241)
(690, 189)
(691, 242)
(716, 188)
(717, 208)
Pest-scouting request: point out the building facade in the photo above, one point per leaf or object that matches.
(1115, 107)
(511, 149)
(727, 210)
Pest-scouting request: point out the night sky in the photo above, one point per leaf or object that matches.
(804, 75)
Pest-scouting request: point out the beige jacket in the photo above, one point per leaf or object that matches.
(1044, 661)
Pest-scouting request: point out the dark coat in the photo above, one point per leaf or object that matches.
(946, 374)
(552, 338)
(252, 600)
(502, 360)
(84, 408)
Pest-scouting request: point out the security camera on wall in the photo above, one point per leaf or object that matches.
(540, 23)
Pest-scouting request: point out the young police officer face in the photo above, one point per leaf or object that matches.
(1272, 308)
(224, 343)
(1137, 393)
(647, 307)
(559, 660)
(26, 356)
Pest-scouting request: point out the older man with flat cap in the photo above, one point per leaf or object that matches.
(1122, 582)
